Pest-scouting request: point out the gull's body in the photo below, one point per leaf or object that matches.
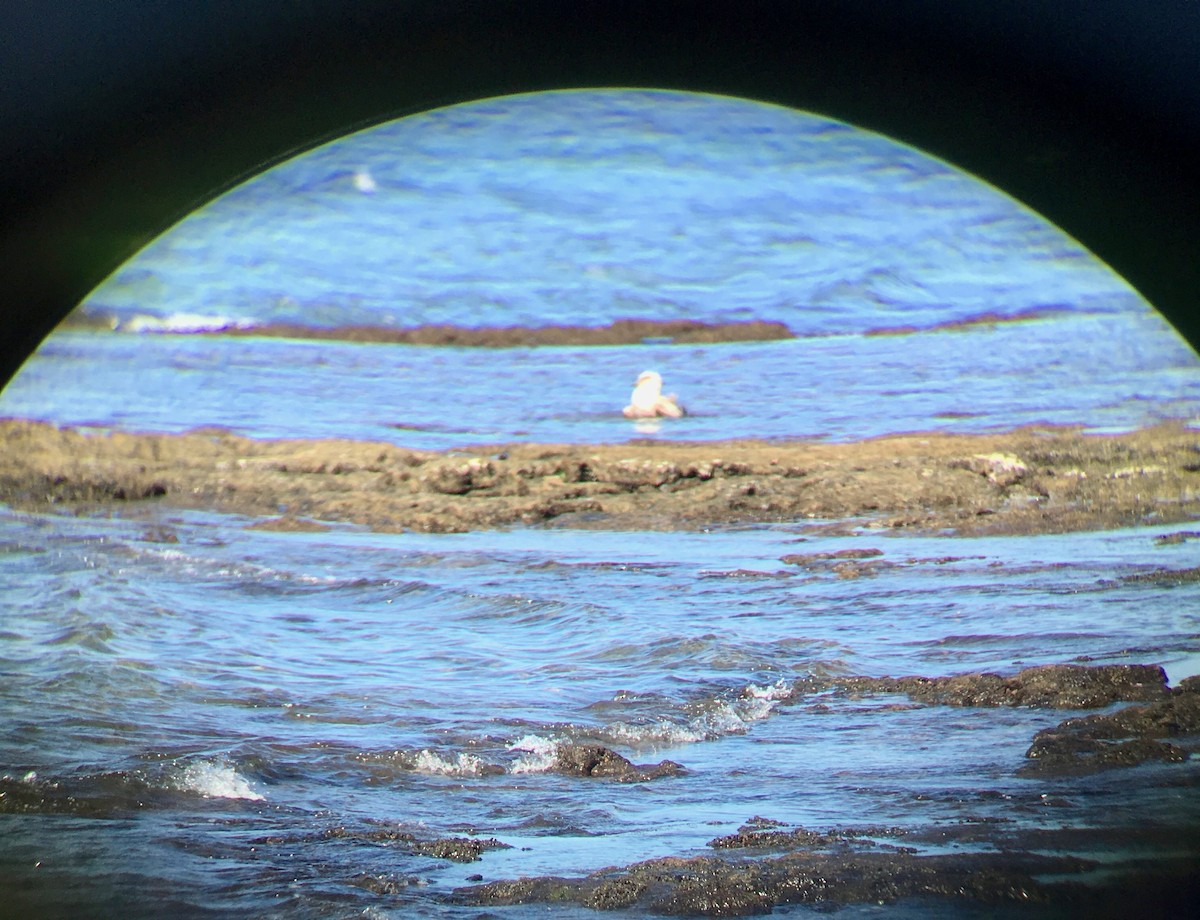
(648, 400)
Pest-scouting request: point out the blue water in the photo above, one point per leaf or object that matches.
(198, 717)
(585, 207)
(1104, 372)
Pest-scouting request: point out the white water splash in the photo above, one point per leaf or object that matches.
(460, 764)
(181, 322)
(537, 754)
(716, 719)
(215, 780)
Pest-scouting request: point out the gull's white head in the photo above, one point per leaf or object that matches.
(650, 380)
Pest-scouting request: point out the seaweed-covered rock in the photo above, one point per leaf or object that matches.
(1123, 738)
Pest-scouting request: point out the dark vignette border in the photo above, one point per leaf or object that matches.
(119, 118)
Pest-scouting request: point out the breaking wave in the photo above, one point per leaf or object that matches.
(181, 322)
(214, 780)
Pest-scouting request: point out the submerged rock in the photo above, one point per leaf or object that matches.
(289, 524)
(835, 556)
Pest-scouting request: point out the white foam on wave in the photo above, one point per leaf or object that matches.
(215, 780)
(537, 754)
(460, 764)
(204, 567)
(182, 322)
(655, 734)
(763, 699)
(716, 719)
(734, 716)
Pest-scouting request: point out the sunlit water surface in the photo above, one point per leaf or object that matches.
(192, 722)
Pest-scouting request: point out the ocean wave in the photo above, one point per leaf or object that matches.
(708, 719)
(181, 322)
(537, 754)
(214, 780)
(460, 764)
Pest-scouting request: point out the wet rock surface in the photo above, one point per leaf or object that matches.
(719, 887)
(760, 833)
(1165, 576)
(599, 762)
(1131, 735)
(1064, 686)
(454, 849)
(1127, 737)
(1026, 481)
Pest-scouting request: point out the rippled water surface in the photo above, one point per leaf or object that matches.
(229, 715)
(199, 717)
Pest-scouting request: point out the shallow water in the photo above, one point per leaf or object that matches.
(198, 716)
(1070, 370)
(203, 719)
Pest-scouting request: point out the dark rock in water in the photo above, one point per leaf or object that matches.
(456, 849)
(1051, 686)
(1065, 686)
(459, 849)
(1189, 685)
(1165, 576)
(289, 524)
(1124, 738)
(597, 761)
(1181, 536)
(718, 887)
(775, 839)
(1069, 752)
(160, 535)
(619, 332)
(761, 833)
(380, 884)
(844, 563)
(837, 555)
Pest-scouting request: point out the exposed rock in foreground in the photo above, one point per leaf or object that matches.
(1127, 737)
(1130, 736)
(1025, 481)
(719, 887)
(828, 872)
